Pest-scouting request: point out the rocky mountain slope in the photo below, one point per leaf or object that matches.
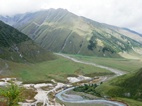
(18, 47)
(59, 30)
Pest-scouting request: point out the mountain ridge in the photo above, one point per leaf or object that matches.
(133, 31)
(59, 30)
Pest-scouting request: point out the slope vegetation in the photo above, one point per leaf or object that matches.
(127, 86)
(59, 30)
(16, 46)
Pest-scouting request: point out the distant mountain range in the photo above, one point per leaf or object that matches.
(59, 30)
(18, 47)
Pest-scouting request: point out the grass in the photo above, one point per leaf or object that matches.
(118, 87)
(130, 83)
(130, 102)
(58, 69)
(128, 65)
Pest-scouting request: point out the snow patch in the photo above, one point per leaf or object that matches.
(77, 79)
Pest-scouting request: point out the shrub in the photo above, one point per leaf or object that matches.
(12, 93)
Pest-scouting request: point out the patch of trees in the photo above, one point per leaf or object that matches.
(92, 45)
(87, 88)
(108, 49)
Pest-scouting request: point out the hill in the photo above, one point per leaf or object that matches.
(59, 30)
(18, 47)
(126, 86)
(20, 57)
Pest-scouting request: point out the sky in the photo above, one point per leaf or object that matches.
(122, 13)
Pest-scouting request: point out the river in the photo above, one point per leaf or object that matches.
(71, 98)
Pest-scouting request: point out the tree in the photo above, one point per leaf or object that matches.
(12, 93)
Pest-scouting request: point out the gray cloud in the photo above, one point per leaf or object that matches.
(123, 13)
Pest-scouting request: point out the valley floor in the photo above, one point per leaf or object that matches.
(65, 71)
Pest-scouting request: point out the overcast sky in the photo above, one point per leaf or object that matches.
(123, 13)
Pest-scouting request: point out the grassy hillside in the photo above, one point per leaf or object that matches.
(126, 86)
(59, 30)
(16, 46)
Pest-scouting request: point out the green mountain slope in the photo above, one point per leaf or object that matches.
(16, 46)
(59, 30)
(126, 86)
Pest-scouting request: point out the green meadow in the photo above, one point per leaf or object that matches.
(61, 68)
(58, 69)
(128, 65)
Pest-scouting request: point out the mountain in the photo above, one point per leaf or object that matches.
(132, 31)
(126, 86)
(18, 47)
(59, 30)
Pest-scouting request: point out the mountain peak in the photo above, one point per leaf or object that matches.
(59, 30)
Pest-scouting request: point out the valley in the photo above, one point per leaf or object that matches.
(43, 93)
(46, 85)
(59, 58)
(125, 64)
(58, 69)
(104, 86)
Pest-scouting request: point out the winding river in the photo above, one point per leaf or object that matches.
(71, 98)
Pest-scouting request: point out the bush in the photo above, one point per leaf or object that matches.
(12, 93)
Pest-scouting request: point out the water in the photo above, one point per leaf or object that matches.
(70, 98)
